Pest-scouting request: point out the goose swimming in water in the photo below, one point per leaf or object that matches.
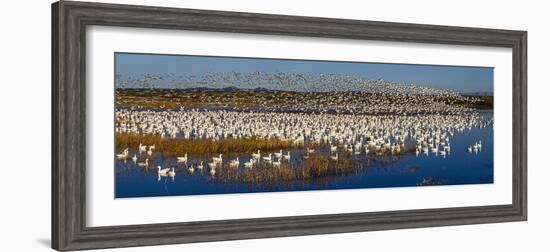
(249, 164)
(267, 159)
(234, 163)
(287, 156)
(182, 159)
(256, 155)
(218, 159)
(200, 166)
(144, 164)
(123, 155)
(162, 171)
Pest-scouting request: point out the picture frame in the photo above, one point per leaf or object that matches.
(69, 20)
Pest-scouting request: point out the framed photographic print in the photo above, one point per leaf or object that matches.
(178, 125)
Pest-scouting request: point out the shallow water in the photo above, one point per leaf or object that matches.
(349, 172)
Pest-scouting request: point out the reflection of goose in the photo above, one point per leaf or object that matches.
(144, 164)
(276, 163)
(310, 150)
(160, 175)
(162, 171)
(134, 158)
(335, 157)
(191, 169)
(182, 159)
(212, 172)
(149, 152)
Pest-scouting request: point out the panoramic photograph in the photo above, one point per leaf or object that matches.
(197, 125)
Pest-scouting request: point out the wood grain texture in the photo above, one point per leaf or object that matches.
(69, 20)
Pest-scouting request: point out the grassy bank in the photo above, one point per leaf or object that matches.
(248, 99)
(175, 147)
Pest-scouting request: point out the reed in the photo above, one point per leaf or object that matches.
(175, 147)
(317, 168)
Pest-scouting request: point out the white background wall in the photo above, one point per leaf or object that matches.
(25, 124)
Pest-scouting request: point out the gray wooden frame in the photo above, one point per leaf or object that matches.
(69, 20)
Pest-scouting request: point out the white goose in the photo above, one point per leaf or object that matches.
(142, 148)
(182, 159)
(144, 164)
(287, 156)
(267, 159)
(234, 163)
(162, 171)
(218, 159)
(249, 164)
(256, 155)
(123, 155)
(278, 154)
(212, 165)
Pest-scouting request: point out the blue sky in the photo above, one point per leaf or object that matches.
(457, 78)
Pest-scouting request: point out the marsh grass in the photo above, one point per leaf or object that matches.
(176, 147)
(317, 167)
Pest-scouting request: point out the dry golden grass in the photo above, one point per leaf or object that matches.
(174, 147)
(316, 167)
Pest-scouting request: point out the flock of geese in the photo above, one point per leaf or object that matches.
(415, 119)
(350, 134)
(389, 131)
(289, 81)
